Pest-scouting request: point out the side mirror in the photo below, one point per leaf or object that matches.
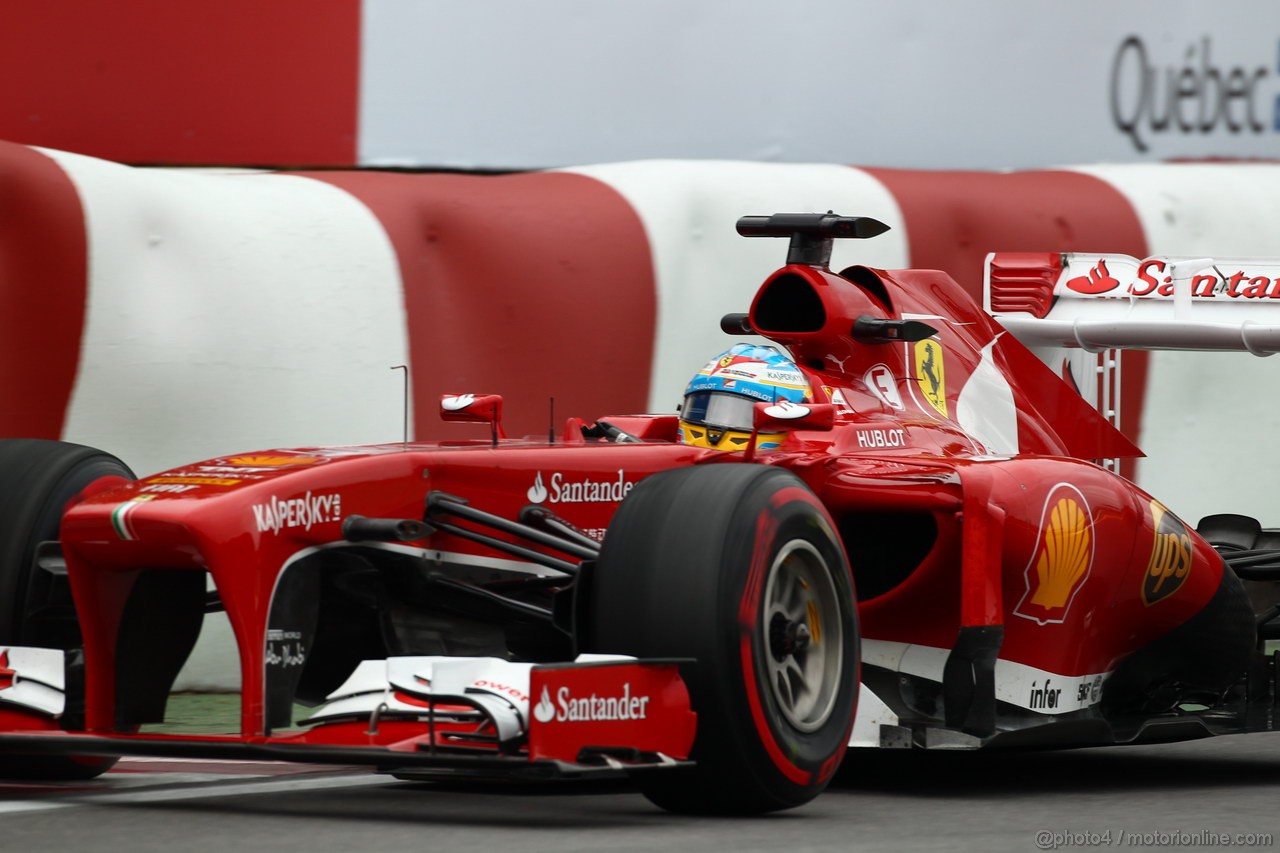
(785, 415)
(474, 408)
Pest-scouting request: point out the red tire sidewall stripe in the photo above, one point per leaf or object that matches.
(748, 614)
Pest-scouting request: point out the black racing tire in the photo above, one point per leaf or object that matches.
(739, 567)
(39, 479)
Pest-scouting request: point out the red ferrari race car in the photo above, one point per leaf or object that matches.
(901, 531)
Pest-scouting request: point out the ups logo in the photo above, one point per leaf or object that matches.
(1171, 557)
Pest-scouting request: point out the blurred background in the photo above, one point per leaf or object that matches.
(504, 84)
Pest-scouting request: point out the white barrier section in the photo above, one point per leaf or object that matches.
(1208, 414)
(232, 312)
(705, 269)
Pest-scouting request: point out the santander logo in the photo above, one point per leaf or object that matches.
(544, 711)
(457, 403)
(568, 708)
(537, 492)
(562, 490)
(1099, 280)
(786, 410)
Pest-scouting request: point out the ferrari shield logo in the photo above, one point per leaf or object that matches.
(931, 374)
(1170, 561)
(1062, 558)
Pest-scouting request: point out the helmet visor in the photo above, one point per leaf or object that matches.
(719, 409)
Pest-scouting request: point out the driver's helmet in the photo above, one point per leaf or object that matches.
(719, 404)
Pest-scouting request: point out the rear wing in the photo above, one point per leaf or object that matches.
(1103, 302)
(1075, 311)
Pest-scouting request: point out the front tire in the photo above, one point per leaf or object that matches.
(39, 480)
(739, 567)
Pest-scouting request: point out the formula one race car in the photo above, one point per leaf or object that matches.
(913, 540)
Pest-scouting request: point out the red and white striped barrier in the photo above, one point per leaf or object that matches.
(165, 314)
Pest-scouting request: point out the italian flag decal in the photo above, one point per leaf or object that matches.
(120, 518)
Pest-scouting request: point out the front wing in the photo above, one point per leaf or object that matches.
(423, 717)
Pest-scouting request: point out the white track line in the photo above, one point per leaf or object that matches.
(280, 785)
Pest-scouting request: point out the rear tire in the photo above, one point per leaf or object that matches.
(739, 567)
(39, 480)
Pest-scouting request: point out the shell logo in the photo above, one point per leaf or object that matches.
(1062, 559)
(271, 461)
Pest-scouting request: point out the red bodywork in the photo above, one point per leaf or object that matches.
(959, 471)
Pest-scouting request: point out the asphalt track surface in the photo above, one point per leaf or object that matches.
(879, 801)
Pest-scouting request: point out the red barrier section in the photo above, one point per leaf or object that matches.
(954, 219)
(43, 281)
(541, 282)
(190, 83)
